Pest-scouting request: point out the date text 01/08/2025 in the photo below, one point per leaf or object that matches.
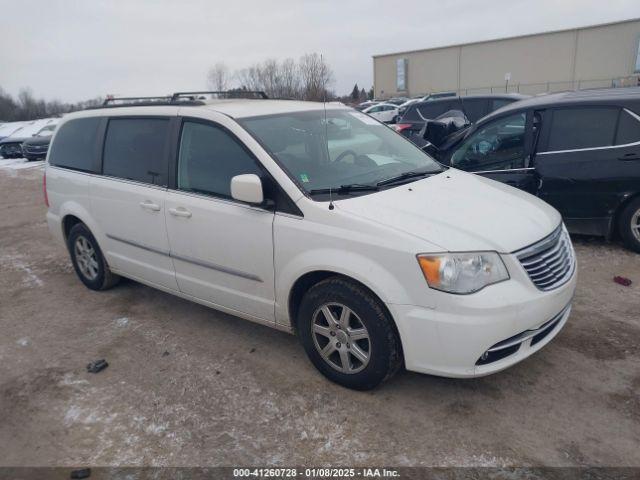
(315, 472)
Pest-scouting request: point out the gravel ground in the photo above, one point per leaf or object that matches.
(189, 386)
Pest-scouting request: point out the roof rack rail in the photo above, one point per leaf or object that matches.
(113, 100)
(259, 94)
(178, 98)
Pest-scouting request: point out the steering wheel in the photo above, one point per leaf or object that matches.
(344, 154)
(483, 147)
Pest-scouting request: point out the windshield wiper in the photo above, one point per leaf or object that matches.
(351, 187)
(404, 176)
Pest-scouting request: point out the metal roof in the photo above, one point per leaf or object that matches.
(612, 96)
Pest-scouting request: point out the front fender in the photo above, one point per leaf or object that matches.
(380, 280)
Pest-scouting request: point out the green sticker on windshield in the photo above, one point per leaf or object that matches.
(304, 177)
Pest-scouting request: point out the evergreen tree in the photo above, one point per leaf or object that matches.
(355, 93)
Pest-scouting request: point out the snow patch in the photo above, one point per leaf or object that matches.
(76, 414)
(68, 380)
(122, 322)
(20, 164)
(72, 414)
(155, 429)
(473, 460)
(31, 280)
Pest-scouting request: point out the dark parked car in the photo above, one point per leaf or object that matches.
(474, 107)
(578, 151)
(397, 100)
(36, 147)
(11, 145)
(11, 149)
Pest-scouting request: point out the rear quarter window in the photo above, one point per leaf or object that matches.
(411, 114)
(628, 128)
(74, 146)
(433, 109)
(497, 103)
(577, 128)
(475, 108)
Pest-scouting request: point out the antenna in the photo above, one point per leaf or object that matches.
(326, 126)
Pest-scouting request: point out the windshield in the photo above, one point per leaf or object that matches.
(46, 131)
(349, 148)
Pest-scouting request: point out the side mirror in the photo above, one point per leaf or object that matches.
(247, 188)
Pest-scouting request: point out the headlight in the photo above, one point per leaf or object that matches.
(462, 272)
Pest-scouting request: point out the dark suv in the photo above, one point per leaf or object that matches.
(578, 151)
(473, 106)
(36, 147)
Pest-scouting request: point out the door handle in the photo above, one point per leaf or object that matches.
(629, 156)
(147, 205)
(180, 212)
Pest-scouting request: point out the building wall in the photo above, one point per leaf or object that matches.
(606, 49)
(578, 58)
(421, 73)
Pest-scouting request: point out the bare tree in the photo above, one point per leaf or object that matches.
(8, 107)
(30, 107)
(270, 77)
(249, 78)
(316, 76)
(27, 107)
(290, 79)
(276, 79)
(218, 77)
(308, 79)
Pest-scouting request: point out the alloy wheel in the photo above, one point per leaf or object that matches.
(340, 337)
(635, 224)
(86, 258)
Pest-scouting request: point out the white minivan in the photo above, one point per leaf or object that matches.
(317, 220)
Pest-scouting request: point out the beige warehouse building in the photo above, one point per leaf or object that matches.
(588, 57)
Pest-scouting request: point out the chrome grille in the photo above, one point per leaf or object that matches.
(35, 148)
(549, 262)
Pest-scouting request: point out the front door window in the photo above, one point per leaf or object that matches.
(499, 145)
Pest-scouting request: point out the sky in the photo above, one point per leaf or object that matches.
(75, 50)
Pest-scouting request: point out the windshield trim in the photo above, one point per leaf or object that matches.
(344, 194)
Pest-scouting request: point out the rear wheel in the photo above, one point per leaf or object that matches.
(629, 225)
(88, 261)
(348, 335)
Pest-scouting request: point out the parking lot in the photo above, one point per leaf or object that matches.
(187, 385)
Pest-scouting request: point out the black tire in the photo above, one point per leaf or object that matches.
(628, 219)
(384, 348)
(104, 278)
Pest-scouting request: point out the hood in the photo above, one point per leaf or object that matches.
(38, 141)
(13, 140)
(459, 211)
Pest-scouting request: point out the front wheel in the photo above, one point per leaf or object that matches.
(629, 225)
(348, 335)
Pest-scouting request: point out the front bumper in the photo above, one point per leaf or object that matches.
(34, 152)
(450, 339)
(31, 156)
(11, 150)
